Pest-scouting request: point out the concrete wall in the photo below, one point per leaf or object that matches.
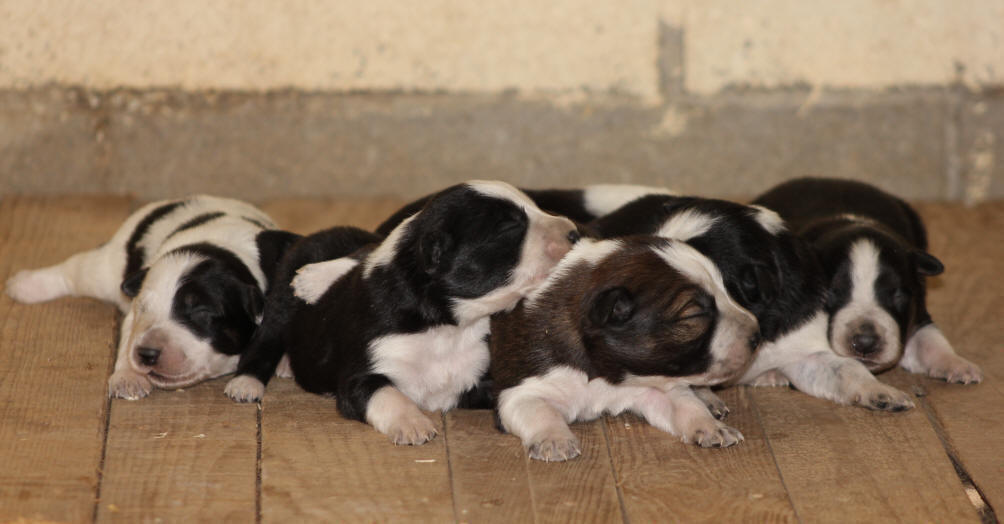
(386, 97)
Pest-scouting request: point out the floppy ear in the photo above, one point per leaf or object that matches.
(432, 249)
(131, 285)
(612, 307)
(927, 264)
(253, 300)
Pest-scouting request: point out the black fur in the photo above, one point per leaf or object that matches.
(195, 222)
(136, 255)
(776, 277)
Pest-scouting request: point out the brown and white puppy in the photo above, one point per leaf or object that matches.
(621, 325)
(189, 275)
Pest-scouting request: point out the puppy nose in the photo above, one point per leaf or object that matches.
(148, 356)
(864, 343)
(574, 236)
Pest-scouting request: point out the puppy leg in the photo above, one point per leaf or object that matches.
(313, 280)
(714, 404)
(284, 370)
(845, 381)
(265, 354)
(96, 273)
(682, 413)
(126, 382)
(929, 352)
(540, 426)
(771, 378)
(395, 415)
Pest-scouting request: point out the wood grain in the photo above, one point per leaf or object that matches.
(664, 479)
(847, 464)
(321, 467)
(54, 360)
(181, 456)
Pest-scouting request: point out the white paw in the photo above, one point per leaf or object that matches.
(32, 286)
(713, 434)
(244, 388)
(716, 406)
(878, 396)
(957, 370)
(284, 370)
(411, 430)
(129, 385)
(555, 448)
(771, 378)
(313, 280)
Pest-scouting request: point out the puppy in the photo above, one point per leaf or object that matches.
(777, 277)
(189, 275)
(621, 325)
(403, 327)
(874, 251)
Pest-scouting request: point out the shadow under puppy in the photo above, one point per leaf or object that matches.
(775, 275)
(873, 248)
(621, 325)
(403, 327)
(190, 276)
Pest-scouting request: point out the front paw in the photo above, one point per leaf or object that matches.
(411, 430)
(716, 406)
(245, 388)
(771, 378)
(129, 385)
(714, 434)
(956, 370)
(879, 396)
(555, 448)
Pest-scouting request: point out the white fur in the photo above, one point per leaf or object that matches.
(771, 221)
(313, 280)
(864, 307)
(601, 199)
(686, 224)
(433, 368)
(929, 352)
(395, 415)
(540, 408)
(384, 253)
(585, 251)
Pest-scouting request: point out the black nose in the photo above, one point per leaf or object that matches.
(148, 356)
(864, 343)
(573, 236)
(754, 341)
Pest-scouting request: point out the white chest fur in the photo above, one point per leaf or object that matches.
(434, 367)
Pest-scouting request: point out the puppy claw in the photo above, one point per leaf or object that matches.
(884, 398)
(244, 388)
(128, 385)
(413, 433)
(721, 437)
(958, 371)
(555, 450)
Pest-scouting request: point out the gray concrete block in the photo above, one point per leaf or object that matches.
(981, 149)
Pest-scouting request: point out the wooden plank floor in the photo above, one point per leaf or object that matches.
(70, 455)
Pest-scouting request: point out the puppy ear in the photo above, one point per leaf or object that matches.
(131, 285)
(612, 307)
(927, 264)
(253, 300)
(432, 249)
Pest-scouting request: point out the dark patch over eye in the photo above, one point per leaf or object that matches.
(694, 318)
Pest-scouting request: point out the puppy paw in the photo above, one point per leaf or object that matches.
(129, 385)
(716, 435)
(555, 449)
(956, 370)
(881, 397)
(313, 280)
(284, 370)
(412, 430)
(771, 378)
(33, 286)
(245, 388)
(715, 405)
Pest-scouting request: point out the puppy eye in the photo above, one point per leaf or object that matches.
(698, 307)
(901, 298)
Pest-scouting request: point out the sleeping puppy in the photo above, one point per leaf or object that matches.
(189, 275)
(620, 325)
(874, 250)
(579, 205)
(402, 328)
(777, 277)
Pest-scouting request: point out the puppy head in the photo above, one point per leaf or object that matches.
(648, 306)
(875, 293)
(481, 245)
(193, 312)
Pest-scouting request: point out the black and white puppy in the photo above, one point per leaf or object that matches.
(873, 247)
(776, 276)
(190, 276)
(403, 327)
(621, 325)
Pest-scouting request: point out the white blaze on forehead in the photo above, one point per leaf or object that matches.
(586, 251)
(770, 220)
(686, 224)
(499, 189)
(864, 258)
(600, 199)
